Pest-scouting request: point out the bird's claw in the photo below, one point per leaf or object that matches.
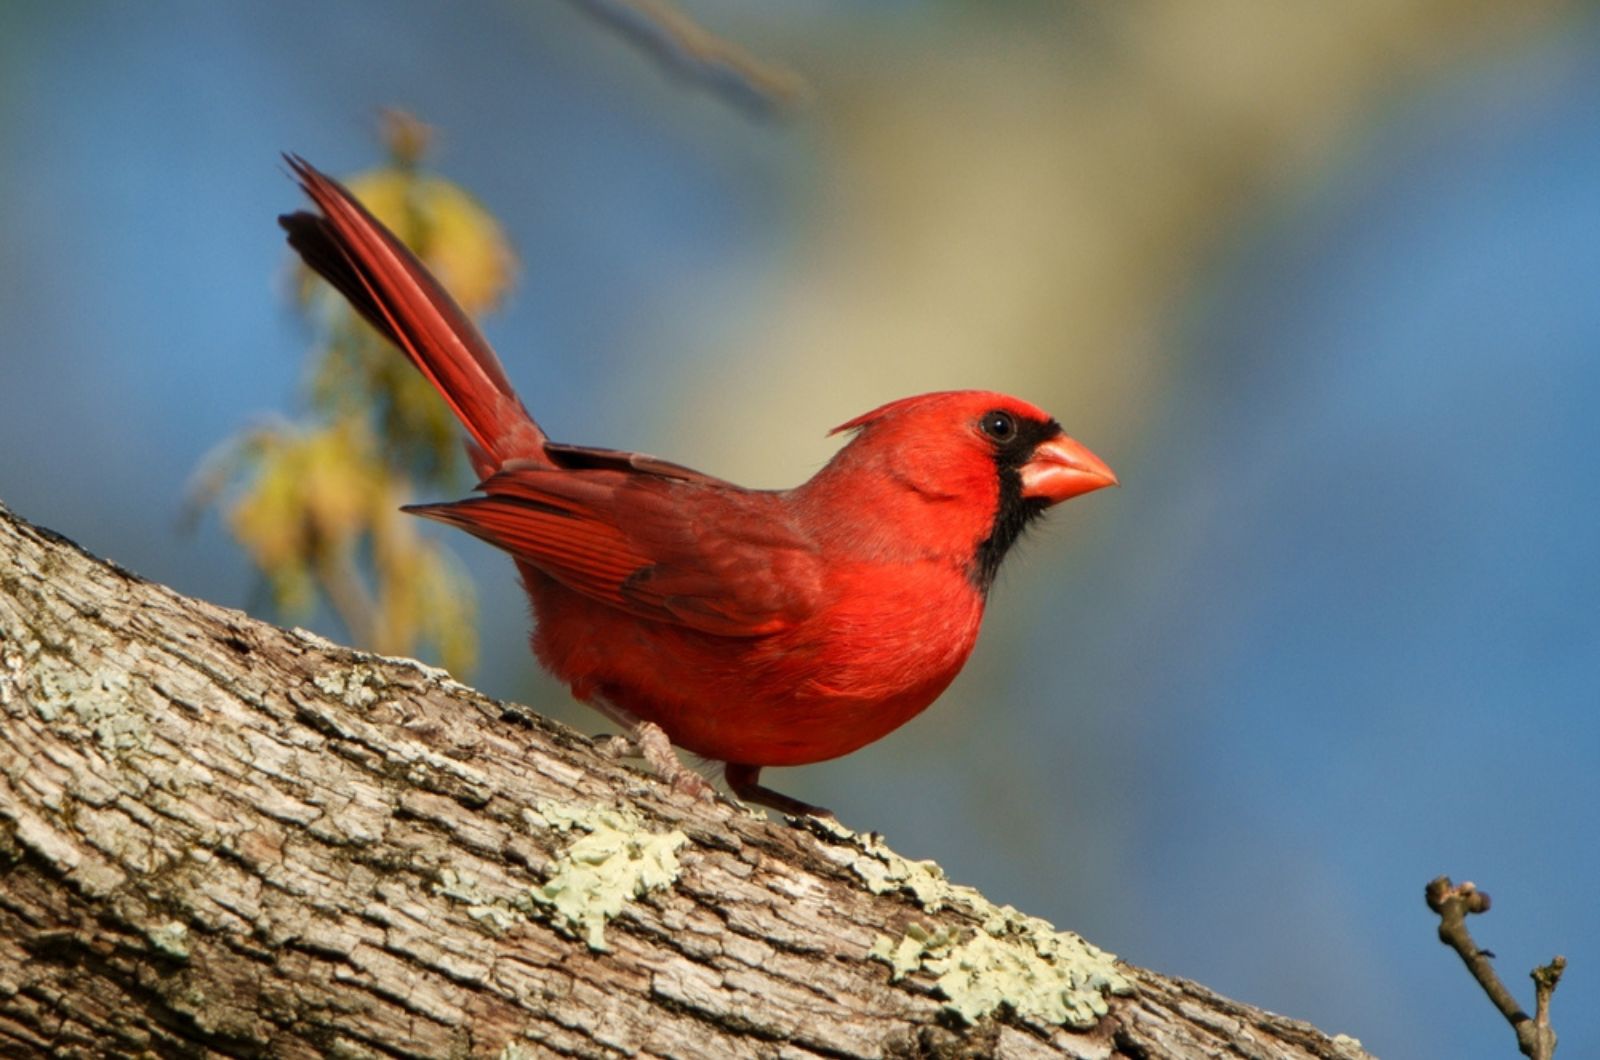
(687, 782)
(649, 741)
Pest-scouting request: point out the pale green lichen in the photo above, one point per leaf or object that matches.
(102, 700)
(615, 861)
(355, 687)
(494, 919)
(1064, 981)
(494, 915)
(905, 956)
(885, 872)
(462, 887)
(1014, 962)
(171, 938)
(12, 662)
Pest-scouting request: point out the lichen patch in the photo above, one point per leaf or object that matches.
(170, 938)
(356, 686)
(102, 700)
(885, 872)
(1014, 962)
(616, 860)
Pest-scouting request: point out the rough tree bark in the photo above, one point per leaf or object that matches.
(223, 838)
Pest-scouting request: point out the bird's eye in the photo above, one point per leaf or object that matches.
(999, 425)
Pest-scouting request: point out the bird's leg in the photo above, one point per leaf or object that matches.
(743, 780)
(647, 740)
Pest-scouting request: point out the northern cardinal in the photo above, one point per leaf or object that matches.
(754, 627)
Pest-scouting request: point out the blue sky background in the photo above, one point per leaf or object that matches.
(1337, 634)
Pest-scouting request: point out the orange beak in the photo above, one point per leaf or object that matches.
(1061, 469)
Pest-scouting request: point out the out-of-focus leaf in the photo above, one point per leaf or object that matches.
(361, 374)
(301, 502)
(423, 595)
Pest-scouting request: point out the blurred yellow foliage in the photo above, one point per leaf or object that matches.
(306, 505)
(317, 505)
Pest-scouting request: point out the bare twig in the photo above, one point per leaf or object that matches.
(1454, 903)
(1545, 977)
(687, 48)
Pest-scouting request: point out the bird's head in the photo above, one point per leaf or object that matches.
(967, 469)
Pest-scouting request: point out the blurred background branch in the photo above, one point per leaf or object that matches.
(686, 48)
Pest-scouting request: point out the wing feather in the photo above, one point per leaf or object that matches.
(695, 552)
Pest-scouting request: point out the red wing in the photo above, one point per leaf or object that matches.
(701, 554)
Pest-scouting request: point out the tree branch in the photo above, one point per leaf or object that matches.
(684, 47)
(223, 838)
(1535, 1037)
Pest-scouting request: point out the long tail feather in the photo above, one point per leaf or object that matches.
(394, 291)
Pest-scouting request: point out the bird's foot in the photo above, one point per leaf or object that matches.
(744, 782)
(647, 740)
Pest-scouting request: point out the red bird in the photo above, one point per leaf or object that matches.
(755, 627)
